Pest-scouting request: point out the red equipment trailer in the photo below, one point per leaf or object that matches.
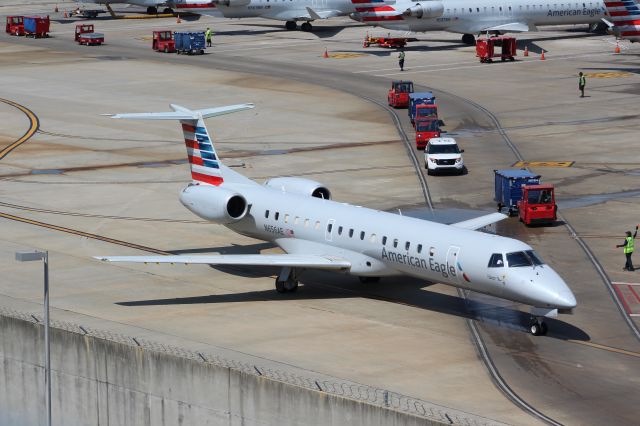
(398, 96)
(426, 129)
(391, 42)
(85, 35)
(15, 25)
(36, 26)
(538, 204)
(163, 41)
(496, 47)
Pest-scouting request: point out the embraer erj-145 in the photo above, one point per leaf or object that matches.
(469, 17)
(316, 232)
(625, 19)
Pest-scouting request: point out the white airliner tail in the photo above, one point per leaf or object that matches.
(206, 167)
(625, 17)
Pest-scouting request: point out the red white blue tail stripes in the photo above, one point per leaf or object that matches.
(375, 11)
(205, 166)
(625, 16)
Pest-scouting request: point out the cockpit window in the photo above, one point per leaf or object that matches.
(518, 259)
(535, 258)
(496, 261)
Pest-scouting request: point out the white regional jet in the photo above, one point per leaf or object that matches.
(316, 232)
(625, 19)
(469, 17)
(151, 5)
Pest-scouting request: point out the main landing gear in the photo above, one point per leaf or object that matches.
(287, 281)
(291, 25)
(468, 39)
(538, 327)
(152, 10)
(306, 26)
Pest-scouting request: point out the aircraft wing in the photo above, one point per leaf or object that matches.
(481, 221)
(512, 27)
(467, 27)
(324, 14)
(291, 260)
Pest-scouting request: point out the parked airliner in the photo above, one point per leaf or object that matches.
(316, 232)
(625, 19)
(469, 17)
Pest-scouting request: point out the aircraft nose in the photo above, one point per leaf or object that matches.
(565, 298)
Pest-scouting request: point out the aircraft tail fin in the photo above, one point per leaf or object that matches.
(205, 164)
(625, 17)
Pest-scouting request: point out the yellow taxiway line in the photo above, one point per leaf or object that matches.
(34, 125)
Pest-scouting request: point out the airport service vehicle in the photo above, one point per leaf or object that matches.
(443, 155)
(622, 18)
(189, 42)
(390, 42)
(424, 111)
(508, 185)
(537, 205)
(426, 129)
(151, 5)
(398, 96)
(163, 41)
(15, 25)
(488, 48)
(470, 17)
(419, 98)
(36, 26)
(85, 35)
(86, 13)
(316, 232)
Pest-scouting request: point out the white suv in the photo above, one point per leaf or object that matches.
(443, 154)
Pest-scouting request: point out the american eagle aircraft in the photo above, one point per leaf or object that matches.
(469, 17)
(316, 232)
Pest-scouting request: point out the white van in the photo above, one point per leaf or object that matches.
(443, 154)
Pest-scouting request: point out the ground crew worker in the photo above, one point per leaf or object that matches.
(207, 36)
(628, 249)
(582, 81)
(401, 60)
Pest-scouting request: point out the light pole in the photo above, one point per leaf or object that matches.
(28, 256)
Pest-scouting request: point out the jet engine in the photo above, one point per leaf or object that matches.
(300, 186)
(215, 204)
(232, 3)
(426, 9)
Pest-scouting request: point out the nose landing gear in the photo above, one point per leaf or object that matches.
(538, 327)
(287, 281)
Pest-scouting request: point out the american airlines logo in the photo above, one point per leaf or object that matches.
(417, 262)
(575, 12)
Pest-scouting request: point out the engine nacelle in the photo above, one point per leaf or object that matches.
(214, 204)
(300, 186)
(427, 9)
(232, 3)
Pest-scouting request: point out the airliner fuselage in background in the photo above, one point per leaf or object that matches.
(471, 17)
(316, 232)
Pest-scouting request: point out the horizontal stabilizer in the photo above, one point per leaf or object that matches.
(481, 221)
(291, 260)
(182, 113)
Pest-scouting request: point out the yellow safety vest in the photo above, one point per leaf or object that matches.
(629, 247)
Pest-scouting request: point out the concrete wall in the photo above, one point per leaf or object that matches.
(101, 382)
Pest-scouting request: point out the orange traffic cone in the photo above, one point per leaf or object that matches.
(326, 54)
(542, 56)
(178, 19)
(65, 14)
(526, 51)
(617, 49)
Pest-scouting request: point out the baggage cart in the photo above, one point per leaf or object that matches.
(502, 47)
(189, 42)
(36, 26)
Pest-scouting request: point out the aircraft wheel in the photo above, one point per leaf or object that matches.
(468, 39)
(280, 286)
(306, 26)
(291, 285)
(167, 10)
(291, 25)
(538, 328)
(152, 10)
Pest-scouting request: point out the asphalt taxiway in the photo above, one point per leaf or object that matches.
(324, 118)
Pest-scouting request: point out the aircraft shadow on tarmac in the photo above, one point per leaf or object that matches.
(325, 31)
(318, 285)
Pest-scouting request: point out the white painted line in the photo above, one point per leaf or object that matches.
(634, 315)
(619, 283)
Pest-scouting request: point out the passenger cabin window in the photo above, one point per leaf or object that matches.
(496, 261)
(407, 245)
(384, 241)
(373, 238)
(286, 218)
(395, 243)
(362, 235)
(329, 227)
(266, 214)
(277, 215)
(518, 259)
(432, 251)
(339, 230)
(350, 233)
(317, 224)
(419, 248)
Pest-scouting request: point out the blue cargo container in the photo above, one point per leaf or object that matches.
(508, 187)
(190, 43)
(419, 98)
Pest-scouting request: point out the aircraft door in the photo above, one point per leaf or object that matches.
(328, 235)
(453, 264)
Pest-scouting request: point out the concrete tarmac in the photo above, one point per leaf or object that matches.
(311, 119)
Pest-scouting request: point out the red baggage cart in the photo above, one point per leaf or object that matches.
(496, 47)
(86, 35)
(398, 96)
(163, 41)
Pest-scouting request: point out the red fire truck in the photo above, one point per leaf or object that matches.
(538, 204)
(163, 41)
(426, 129)
(398, 96)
